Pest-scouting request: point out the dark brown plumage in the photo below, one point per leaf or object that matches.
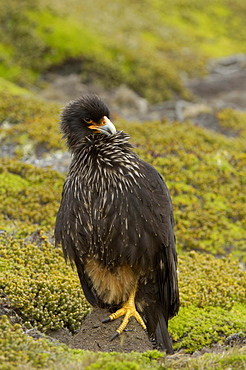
(116, 223)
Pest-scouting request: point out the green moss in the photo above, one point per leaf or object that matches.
(223, 360)
(149, 51)
(213, 297)
(25, 60)
(209, 27)
(12, 88)
(236, 361)
(17, 350)
(39, 286)
(46, 293)
(205, 172)
(233, 120)
(195, 328)
(29, 197)
(21, 120)
(208, 281)
(12, 182)
(65, 36)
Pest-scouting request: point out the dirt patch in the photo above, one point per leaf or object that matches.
(95, 336)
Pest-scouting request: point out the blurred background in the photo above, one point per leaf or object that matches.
(148, 59)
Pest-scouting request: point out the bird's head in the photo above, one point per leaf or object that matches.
(85, 116)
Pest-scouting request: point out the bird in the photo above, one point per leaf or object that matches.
(116, 224)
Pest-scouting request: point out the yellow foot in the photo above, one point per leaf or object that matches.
(128, 310)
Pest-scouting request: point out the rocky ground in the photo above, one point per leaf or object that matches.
(223, 86)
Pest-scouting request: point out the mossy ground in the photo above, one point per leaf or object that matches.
(45, 292)
(29, 197)
(205, 173)
(39, 285)
(27, 130)
(19, 351)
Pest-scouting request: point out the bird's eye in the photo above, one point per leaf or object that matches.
(88, 120)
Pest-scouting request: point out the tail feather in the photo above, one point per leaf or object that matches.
(157, 330)
(162, 338)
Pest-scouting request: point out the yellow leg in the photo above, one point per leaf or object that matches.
(128, 309)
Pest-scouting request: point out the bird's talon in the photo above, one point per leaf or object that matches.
(114, 336)
(106, 320)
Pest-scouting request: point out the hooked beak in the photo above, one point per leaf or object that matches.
(105, 126)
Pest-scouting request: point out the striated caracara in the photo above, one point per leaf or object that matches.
(115, 223)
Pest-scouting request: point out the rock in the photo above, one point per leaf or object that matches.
(211, 86)
(122, 100)
(58, 161)
(186, 110)
(236, 339)
(127, 103)
(163, 110)
(225, 84)
(227, 65)
(63, 88)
